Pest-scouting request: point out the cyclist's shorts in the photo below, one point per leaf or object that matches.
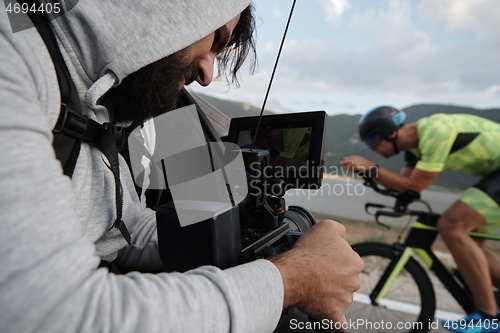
(484, 197)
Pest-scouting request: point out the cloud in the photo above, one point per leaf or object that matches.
(277, 13)
(398, 56)
(391, 28)
(334, 8)
(398, 52)
(459, 15)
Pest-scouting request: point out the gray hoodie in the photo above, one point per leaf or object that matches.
(55, 229)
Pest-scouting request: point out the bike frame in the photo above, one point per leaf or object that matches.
(419, 240)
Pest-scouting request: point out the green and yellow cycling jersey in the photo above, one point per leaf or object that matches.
(438, 138)
(295, 144)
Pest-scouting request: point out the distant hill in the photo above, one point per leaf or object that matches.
(233, 109)
(424, 110)
(342, 137)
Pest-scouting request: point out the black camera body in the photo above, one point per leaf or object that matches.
(259, 226)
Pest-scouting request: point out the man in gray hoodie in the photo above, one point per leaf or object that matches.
(55, 230)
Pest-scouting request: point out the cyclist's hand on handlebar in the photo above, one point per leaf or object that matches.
(321, 272)
(356, 163)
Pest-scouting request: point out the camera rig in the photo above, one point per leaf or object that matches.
(259, 226)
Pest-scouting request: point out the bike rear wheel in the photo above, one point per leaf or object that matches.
(407, 306)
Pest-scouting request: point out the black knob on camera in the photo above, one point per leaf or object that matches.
(278, 205)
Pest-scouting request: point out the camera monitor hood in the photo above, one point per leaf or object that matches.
(295, 143)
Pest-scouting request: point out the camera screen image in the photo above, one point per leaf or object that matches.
(288, 147)
(294, 141)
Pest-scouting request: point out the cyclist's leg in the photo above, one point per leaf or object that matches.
(494, 263)
(493, 259)
(484, 197)
(454, 227)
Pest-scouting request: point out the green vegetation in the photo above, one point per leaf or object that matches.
(233, 109)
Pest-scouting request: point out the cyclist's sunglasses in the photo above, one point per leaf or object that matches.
(372, 139)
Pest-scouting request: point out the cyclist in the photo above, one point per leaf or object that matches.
(431, 145)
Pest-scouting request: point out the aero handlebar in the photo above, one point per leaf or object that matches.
(400, 208)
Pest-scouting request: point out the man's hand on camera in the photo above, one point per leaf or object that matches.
(321, 272)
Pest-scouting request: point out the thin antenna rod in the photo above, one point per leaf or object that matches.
(272, 75)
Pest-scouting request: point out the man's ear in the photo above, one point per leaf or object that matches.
(393, 135)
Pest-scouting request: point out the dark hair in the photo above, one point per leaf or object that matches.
(240, 46)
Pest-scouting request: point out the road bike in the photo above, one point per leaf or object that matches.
(397, 294)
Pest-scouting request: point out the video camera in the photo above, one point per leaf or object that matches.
(253, 223)
(288, 154)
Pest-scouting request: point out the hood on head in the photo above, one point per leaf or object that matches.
(112, 39)
(124, 36)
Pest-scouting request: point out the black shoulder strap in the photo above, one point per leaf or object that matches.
(66, 146)
(72, 127)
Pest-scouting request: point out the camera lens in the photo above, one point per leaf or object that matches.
(299, 219)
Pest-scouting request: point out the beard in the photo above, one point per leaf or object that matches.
(151, 91)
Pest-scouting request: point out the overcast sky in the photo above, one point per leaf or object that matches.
(348, 56)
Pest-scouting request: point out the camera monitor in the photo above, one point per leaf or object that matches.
(294, 141)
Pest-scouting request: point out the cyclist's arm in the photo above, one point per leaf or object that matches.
(406, 171)
(409, 179)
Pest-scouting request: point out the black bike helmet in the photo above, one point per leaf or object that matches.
(380, 123)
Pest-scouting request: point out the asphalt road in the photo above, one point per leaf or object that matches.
(347, 199)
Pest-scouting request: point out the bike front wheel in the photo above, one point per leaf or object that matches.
(408, 305)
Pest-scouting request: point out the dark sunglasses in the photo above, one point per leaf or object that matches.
(373, 139)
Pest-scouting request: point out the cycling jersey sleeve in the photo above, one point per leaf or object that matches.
(410, 160)
(292, 138)
(435, 141)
